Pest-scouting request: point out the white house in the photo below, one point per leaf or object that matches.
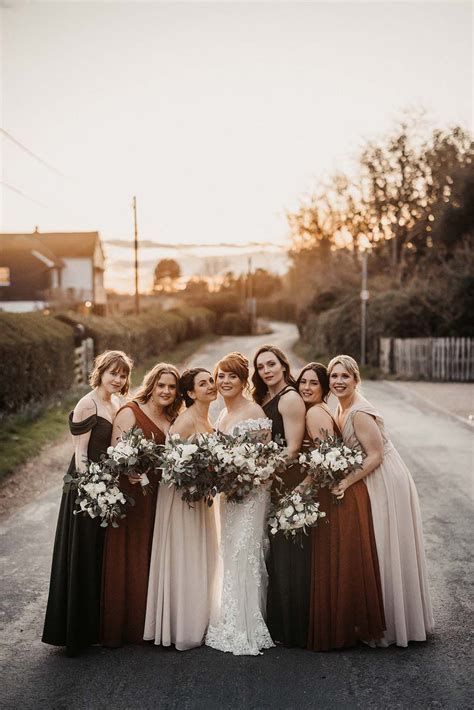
(37, 269)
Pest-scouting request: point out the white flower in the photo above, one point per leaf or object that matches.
(316, 457)
(188, 450)
(299, 507)
(289, 511)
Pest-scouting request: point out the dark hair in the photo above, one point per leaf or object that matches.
(322, 374)
(260, 389)
(186, 383)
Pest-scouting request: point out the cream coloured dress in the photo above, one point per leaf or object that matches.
(238, 616)
(399, 539)
(182, 570)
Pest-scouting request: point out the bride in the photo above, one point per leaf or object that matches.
(237, 622)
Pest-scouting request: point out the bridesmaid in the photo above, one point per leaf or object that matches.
(289, 564)
(184, 553)
(72, 614)
(346, 597)
(395, 509)
(128, 547)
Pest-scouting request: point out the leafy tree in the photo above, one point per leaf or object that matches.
(167, 272)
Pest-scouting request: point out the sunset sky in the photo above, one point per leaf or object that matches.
(216, 115)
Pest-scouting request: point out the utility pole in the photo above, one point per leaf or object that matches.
(137, 293)
(364, 297)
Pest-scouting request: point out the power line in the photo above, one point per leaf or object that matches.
(20, 192)
(31, 154)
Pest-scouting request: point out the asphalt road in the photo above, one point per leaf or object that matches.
(435, 674)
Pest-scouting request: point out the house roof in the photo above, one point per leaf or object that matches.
(21, 243)
(60, 244)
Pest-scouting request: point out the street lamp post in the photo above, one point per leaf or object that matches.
(364, 297)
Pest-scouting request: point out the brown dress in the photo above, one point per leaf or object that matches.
(346, 602)
(127, 555)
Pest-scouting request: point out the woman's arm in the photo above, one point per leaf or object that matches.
(83, 409)
(293, 412)
(123, 422)
(370, 438)
(318, 422)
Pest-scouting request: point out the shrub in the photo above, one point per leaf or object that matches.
(233, 324)
(277, 309)
(37, 355)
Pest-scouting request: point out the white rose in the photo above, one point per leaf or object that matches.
(188, 450)
(316, 457)
(289, 511)
(299, 507)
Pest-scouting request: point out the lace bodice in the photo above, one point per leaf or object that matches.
(252, 425)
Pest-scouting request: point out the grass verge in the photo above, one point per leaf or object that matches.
(23, 435)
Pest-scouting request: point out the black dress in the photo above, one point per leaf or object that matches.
(289, 568)
(72, 615)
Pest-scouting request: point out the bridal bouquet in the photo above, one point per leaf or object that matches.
(243, 464)
(294, 513)
(331, 461)
(189, 466)
(98, 493)
(133, 454)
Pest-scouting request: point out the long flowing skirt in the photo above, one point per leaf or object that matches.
(183, 563)
(238, 620)
(289, 571)
(399, 538)
(72, 614)
(346, 594)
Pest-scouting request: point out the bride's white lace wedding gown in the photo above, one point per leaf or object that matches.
(237, 622)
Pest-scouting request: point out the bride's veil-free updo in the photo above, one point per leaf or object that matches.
(237, 364)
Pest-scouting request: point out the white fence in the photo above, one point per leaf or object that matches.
(449, 359)
(83, 359)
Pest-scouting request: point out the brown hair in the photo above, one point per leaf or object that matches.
(186, 383)
(237, 364)
(150, 380)
(322, 375)
(260, 388)
(108, 359)
(348, 363)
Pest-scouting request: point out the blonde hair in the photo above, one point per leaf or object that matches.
(108, 359)
(348, 363)
(150, 380)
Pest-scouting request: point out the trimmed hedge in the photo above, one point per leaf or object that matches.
(233, 324)
(146, 335)
(37, 351)
(281, 309)
(37, 356)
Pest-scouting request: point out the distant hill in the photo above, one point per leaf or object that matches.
(119, 270)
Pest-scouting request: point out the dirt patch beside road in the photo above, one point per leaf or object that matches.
(40, 473)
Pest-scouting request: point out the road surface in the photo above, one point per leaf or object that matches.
(435, 674)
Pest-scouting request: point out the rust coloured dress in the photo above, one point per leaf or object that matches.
(346, 604)
(127, 555)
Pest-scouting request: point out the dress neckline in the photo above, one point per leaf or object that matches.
(149, 418)
(278, 394)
